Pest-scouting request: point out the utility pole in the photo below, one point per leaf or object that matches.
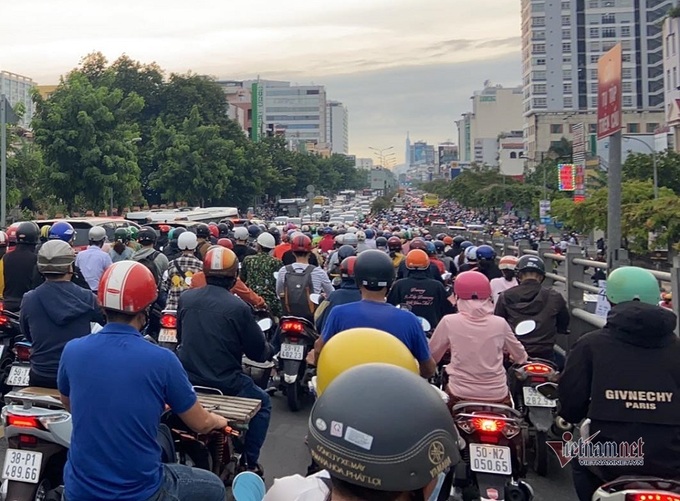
(3, 160)
(614, 201)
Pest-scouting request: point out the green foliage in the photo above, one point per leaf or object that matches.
(382, 203)
(641, 167)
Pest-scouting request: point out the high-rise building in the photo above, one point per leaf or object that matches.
(299, 110)
(671, 63)
(495, 110)
(562, 41)
(18, 89)
(240, 103)
(337, 127)
(422, 154)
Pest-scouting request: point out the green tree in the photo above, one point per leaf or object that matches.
(639, 166)
(25, 174)
(87, 140)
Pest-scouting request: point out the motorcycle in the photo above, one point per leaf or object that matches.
(297, 339)
(9, 333)
(260, 372)
(539, 412)
(38, 431)
(219, 451)
(19, 371)
(167, 337)
(639, 489)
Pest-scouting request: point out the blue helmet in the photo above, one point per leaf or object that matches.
(61, 230)
(328, 230)
(430, 248)
(486, 253)
(369, 233)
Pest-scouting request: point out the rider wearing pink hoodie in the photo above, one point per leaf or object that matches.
(477, 340)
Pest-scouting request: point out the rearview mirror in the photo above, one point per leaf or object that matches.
(446, 276)
(276, 275)
(425, 324)
(548, 390)
(315, 298)
(265, 324)
(187, 280)
(525, 327)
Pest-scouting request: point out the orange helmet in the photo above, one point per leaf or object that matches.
(220, 262)
(164, 228)
(417, 260)
(508, 263)
(301, 243)
(448, 240)
(128, 287)
(225, 242)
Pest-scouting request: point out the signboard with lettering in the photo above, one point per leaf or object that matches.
(609, 92)
(567, 179)
(544, 211)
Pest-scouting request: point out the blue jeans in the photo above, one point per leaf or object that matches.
(183, 483)
(258, 426)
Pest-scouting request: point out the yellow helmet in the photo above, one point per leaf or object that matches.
(360, 346)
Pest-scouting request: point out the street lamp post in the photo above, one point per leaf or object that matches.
(381, 153)
(653, 153)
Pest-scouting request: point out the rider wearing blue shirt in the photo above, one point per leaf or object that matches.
(116, 385)
(374, 273)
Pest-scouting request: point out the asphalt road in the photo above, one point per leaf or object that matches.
(285, 454)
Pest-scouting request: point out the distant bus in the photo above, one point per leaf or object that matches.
(291, 207)
(183, 214)
(430, 200)
(323, 201)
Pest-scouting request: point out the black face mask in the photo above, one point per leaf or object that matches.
(509, 275)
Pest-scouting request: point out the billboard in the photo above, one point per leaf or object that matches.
(609, 92)
(567, 177)
(257, 96)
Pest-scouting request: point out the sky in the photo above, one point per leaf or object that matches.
(398, 65)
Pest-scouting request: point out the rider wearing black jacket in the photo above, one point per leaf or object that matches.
(19, 265)
(625, 377)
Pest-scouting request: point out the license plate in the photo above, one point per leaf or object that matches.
(490, 459)
(22, 466)
(292, 351)
(532, 398)
(18, 376)
(167, 336)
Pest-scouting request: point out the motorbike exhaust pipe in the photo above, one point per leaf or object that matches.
(562, 425)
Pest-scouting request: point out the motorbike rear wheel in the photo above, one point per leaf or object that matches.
(294, 396)
(541, 453)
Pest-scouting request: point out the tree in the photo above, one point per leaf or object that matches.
(196, 163)
(639, 166)
(25, 174)
(86, 136)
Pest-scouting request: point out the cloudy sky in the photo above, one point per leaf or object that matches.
(398, 65)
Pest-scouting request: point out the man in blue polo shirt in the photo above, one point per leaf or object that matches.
(116, 385)
(374, 273)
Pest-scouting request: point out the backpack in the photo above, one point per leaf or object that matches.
(150, 262)
(297, 288)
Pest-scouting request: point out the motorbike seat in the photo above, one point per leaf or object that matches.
(481, 407)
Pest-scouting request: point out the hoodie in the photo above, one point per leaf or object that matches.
(625, 377)
(477, 340)
(531, 301)
(52, 315)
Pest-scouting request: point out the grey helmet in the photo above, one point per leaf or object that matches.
(55, 257)
(351, 435)
(350, 239)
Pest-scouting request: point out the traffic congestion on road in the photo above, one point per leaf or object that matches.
(341, 351)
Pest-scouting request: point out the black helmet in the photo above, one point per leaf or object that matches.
(465, 244)
(147, 235)
(223, 228)
(531, 264)
(458, 240)
(28, 233)
(439, 246)
(346, 251)
(374, 270)
(254, 230)
(347, 427)
(177, 232)
(203, 231)
(381, 242)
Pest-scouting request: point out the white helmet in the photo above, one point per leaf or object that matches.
(55, 257)
(96, 234)
(187, 241)
(350, 239)
(241, 233)
(471, 253)
(352, 229)
(339, 238)
(361, 236)
(266, 240)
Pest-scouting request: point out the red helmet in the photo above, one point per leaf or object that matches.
(3, 239)
(12, 233)
(347, 267)
(472, 285)
(300, 243)
(164, 228)
(417, 259)
(418, 243)
(128, 287)
(220, 262)
(225, 242)
(394, 244)
(214, 230)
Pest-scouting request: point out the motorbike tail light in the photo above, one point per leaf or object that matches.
(538, 369)
(3, 319)
(28, 440)
(652, 496)
(169, 321)
(538, 379)
(488, 425)
(22, 352)
(23, 421)
(292, 326)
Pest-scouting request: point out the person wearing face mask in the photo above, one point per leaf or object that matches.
(507, 265)
(409, 456)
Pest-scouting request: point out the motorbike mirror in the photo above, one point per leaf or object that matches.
(425, 324)
(265, 324)
(95, 327)
(525, 327)
(548, 390)
(315, 298)
(276, 275)
(187, 280)
(446, 276)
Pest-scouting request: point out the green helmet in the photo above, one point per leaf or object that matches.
(122, 234)
(133, 232)
(630, 283)
(171, 233)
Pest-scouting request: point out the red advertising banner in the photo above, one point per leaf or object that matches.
(609, 92)
(567, 177)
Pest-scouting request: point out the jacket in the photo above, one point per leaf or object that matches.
(626, 378)
(239, 288)
(51, 316)
(161, 260)
(18, 274)
(426, 297)
(432, 272)
(215, 329)
(531, 301)
(243, 251)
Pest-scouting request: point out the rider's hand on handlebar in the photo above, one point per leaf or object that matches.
(220, 422)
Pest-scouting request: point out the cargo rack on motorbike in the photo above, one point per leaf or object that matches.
(33, 395)
(234, 409)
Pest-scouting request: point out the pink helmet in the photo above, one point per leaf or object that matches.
(472, 285)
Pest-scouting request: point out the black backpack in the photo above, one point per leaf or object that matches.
(150, 262)
(297, 288)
